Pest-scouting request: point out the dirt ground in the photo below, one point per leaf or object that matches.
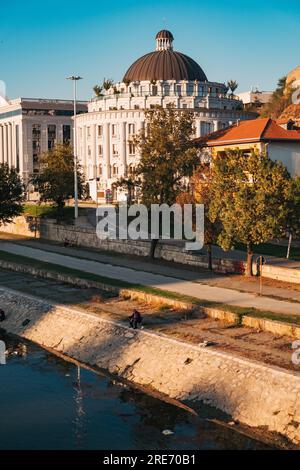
(190, 326)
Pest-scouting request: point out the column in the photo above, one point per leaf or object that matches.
(5, 143)
(1, 145)
(216, 125)
(106, 150)
(13, 146)
(94, 149)
(123, 147)
(9, 145)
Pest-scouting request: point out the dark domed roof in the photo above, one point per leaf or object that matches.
(165, 65)
(164, 34)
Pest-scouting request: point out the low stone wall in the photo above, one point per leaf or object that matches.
(86, 237)
(253, 393)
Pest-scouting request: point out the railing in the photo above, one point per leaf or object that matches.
(145, 94)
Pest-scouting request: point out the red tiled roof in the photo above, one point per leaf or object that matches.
(255, 130)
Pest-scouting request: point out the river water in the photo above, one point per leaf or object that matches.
(47, 402)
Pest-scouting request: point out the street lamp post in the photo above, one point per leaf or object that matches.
(75, 79)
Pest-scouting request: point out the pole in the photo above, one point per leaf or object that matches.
(75, 155)
(260, 272)
(289, 246)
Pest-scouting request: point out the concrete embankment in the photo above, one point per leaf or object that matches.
(253, 393)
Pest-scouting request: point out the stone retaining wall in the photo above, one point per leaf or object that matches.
(253, 393)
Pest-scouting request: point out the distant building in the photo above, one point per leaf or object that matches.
(278, 139)
(29, 127)
(162, 77)
(254, 98)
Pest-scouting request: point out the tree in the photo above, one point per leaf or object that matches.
(128, 184)
(55, 182)
(107, 83)
(11, 193)
(280, 99)
(167, 155)
(201, 183)
(293, 218)
(232, 85)
(98, 90)
(250, 196)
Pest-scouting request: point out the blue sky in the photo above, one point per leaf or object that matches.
(42, 42)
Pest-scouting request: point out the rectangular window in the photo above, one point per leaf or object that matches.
(100, 150)
(178, 89)
(115, 149)
(89, 151)
(131, 149)
(66, 134)
(190, 89)
(88, 132)
(131, 129)
(114, 129)
(100, 131)
(36, 140)
(51, 136)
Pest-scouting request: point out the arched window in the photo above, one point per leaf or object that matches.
(115, 169)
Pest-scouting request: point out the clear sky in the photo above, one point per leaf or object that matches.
(41, 41)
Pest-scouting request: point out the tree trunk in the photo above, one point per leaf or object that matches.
(209, 257)
(152, 247)
(249, 260)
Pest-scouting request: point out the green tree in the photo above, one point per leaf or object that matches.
(280, 99)
(55, 182)
(250, 196)
(167, 155)
(98, 90)
(107, 83)
(11, 193)
(201, 193)
(232, 85)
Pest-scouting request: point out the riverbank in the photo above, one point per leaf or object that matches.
(250, 392)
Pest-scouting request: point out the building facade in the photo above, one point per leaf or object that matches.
(29, 127)
(276, 138)
(165, 78)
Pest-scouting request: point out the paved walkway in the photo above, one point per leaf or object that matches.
(271, 288)
(172, 284)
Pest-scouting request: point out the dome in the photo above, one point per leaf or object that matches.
(164, 34)
(165, 64)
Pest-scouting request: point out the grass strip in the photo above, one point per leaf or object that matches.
(239, 311)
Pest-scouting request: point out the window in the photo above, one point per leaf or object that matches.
(115, 149)
(201, 91)
(131, 129)
(66, 134)
(36, 139)
(100, 150)
(100, 131)
(89, 151)
(131, 149)
(100, 170)
(136, 106)
(178, 89)
(130, 169)
(115, 170)
(154, 90)
(184, 105)
(114, 129)
(88, 132)
(190, 89)
(51, 136)
(167, 90)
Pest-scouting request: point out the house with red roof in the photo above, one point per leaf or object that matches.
(278, 139)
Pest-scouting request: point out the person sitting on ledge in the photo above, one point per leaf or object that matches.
(135, 319)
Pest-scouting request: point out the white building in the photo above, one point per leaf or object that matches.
(255, 97)
(29, 127)
(163, 77)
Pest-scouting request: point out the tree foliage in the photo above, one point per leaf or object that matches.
(280, 99)
(232, 86)
(250, 197)
(98, 90)
(167, 154)
(11, 193)
(55, 182)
